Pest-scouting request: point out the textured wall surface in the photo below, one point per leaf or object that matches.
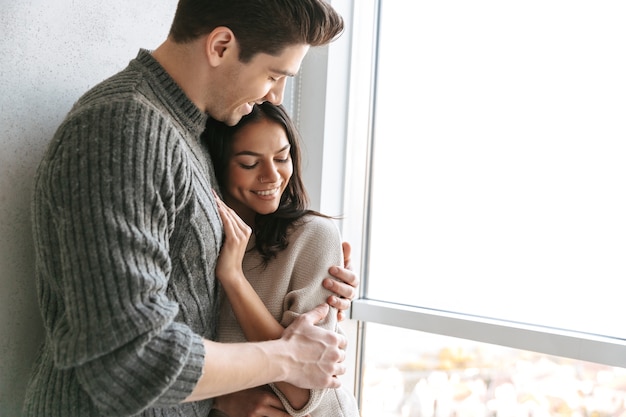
(51, 52)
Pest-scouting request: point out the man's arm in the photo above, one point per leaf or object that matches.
(306, 356)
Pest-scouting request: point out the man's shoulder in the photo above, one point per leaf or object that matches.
(119, 89)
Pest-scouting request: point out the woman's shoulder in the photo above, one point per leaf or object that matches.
(314, 221)
(316, 227)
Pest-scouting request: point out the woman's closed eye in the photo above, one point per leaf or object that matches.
(248, 166)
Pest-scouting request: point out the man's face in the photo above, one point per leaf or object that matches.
(241, 86)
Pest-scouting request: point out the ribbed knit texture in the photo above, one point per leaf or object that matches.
(126, 237)
(290, 285)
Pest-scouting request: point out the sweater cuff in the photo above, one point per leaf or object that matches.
(189, 376)
(315, 397)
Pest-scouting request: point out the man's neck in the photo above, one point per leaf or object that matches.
(183, 63)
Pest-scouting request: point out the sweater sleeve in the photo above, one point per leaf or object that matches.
(316, 246)
(114, 184)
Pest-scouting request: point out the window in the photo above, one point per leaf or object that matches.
(484, 184)
(497, 181)
(494, 177)
(414, 374)
(499, 158)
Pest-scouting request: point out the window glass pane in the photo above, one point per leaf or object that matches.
(413, 374)
(499, 182)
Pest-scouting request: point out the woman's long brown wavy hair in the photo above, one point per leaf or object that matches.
(271, 230)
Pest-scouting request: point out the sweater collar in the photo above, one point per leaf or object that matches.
(188, 114)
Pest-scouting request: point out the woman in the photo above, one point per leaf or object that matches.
(276, 251)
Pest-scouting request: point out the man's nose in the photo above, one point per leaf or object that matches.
(277, 92)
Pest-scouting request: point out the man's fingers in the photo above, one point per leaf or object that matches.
(345, 275)
(343, 344)
(341, 316)
(343, 288)
(347, 252)
(341, 304)
(317, 314)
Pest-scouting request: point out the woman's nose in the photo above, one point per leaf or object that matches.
(269, 175)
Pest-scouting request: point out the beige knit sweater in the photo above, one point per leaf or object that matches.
(290, 285)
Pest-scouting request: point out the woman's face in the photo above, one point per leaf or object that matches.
(259, 169)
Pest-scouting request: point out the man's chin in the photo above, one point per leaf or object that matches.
(232, 120)
(237, 116)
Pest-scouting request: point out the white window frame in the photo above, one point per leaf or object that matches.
(336, 85)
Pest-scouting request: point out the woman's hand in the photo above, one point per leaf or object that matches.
(254, 402)
(236, 236)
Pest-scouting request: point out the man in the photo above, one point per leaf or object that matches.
(127, 233)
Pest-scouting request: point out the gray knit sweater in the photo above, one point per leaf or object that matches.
(126, 237)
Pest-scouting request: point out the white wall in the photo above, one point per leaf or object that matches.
(50, 53)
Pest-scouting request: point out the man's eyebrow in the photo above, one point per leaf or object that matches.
(283, 72)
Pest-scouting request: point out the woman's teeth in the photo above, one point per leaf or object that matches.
(266, 192)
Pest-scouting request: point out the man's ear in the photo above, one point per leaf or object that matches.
(220, 44)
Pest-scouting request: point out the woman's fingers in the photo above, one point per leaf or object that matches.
(234, 226)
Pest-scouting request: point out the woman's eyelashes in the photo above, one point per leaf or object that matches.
(252, 165)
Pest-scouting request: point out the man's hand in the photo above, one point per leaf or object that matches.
(315, 356)
(346, 288)
(254, 402)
